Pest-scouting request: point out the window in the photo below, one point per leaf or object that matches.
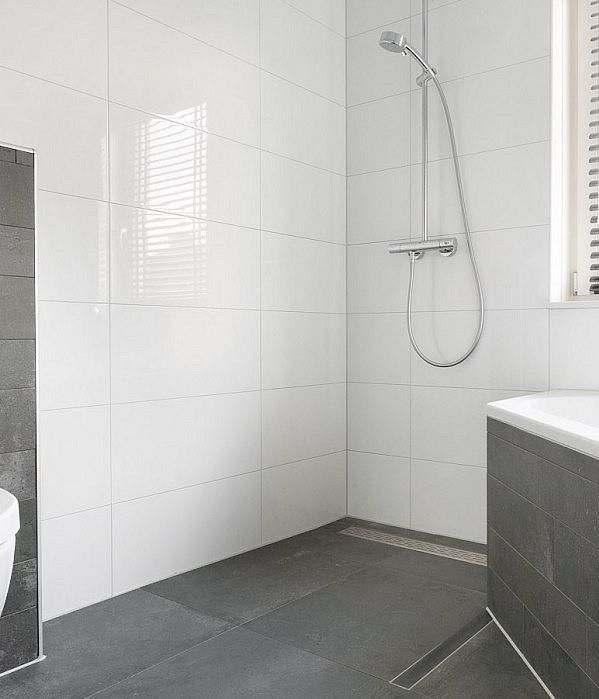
(575, 150)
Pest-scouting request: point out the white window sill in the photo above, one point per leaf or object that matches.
(576, 304)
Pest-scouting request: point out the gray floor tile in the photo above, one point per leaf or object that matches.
(246, 586)
(242, 664)
(486, 667)
(377, 621)
(95, 647)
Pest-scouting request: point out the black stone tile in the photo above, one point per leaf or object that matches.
(377, 621)
(17, 420)
(246, 586)
(487, 666)
(17, 256)
(582, 464)
(555, 667)
(523, 525)
(17, 201)
(593, 651)
(240, 664)
(577, 569)
(514, 467)
(18, 634)
(17, 308)
(25, 158)
(92, 648)
(572, 500)
(26, 546)
(22, 593)
(17, 364)
(500, 429)
(17, 474)
(554, 610)
(8, 154)
(507, 608)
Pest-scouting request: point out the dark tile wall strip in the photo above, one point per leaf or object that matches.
(19, 642)
(543, 556)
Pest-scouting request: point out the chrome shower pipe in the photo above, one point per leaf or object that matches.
(424, 88)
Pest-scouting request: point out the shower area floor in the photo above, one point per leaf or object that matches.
(322, 614)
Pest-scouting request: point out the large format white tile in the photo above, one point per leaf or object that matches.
(67, 129)
(63, 41)
(377, 282)
(231, 25)
(302, 200)
(310, 55)
(513, 353)
(362, 15)
(378, 349)
(72, 248)
(301, 125)
(167, 259)
(378, 206)
(378, 135)
(378, 488)
(74, 456)
(299, 423)
(73, 349)
(302, 275)
(379, 418)
(163, 165)
(166, 534)
(302, 496)
(449, 424)
(75, 553)
(574, 338)
(159, 352)
(300, 349)
(450, 500)
(328, 12)
(192, 435)
(160, 70)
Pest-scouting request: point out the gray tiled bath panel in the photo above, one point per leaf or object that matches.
(22, 593)
(17, 364)
(16, 202)
(17, 420)
(16, 251)
(19, 639)
(509, 464)
(17, 309)
(17, 474)
(500, 597)
(26, 546)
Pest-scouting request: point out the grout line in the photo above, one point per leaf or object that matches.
(322, 24)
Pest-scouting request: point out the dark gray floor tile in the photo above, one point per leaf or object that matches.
(17, 474)
(95, 647)
(11, 689)
(16, 205)
(17, 310)
(506, 607)
(377, 621)
(593, 650)
(244, 664)
(515, 467)
(17, 251)
(17, 420)
(246, 586)
(26, 545)
(17, 363)
(22, 593)
(18, 634)
(343, 547)
(487, 666)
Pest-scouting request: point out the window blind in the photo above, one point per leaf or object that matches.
(593, 141)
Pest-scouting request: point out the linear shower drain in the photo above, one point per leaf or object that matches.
(403, 542)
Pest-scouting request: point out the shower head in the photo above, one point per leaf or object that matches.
(397, 43)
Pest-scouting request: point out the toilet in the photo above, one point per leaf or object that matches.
(9, 526)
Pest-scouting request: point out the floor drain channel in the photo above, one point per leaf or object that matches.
(416, 545)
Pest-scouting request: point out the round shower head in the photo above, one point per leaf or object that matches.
(392, 41)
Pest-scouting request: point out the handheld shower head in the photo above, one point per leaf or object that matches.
(397, 43)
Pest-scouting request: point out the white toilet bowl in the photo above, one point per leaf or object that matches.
(9, 526)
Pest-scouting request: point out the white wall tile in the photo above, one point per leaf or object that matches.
(378, 418)
(72, 354)
(286, 283)
(378, 348)
(378, 488)
(299, 423)
(377, 281)
(192, 435)
(302, 200)
(162, 535)
(302, 125)
(574, 337)
(74, 456)
(328, 12)
(303, 495)
(168, 259)
(310, 55)
(159, 352)
(299, 349)
(75, 553)
(363, 15)
(231, 25)
(182, 170)
(449, 499)
(165, 72)
(63, 41)
(72, 242)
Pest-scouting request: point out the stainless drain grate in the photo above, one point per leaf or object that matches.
(479, 559)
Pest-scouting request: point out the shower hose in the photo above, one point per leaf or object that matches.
(413, 258)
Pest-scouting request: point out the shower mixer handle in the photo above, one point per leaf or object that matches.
(446, 246)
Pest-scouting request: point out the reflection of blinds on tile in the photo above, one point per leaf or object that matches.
(592, 138)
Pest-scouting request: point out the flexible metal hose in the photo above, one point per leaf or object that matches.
(458, 175)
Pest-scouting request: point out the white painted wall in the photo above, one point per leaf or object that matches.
(191, 227)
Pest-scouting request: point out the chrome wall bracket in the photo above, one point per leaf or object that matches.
(445, 246)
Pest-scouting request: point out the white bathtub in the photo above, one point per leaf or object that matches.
(570, 418)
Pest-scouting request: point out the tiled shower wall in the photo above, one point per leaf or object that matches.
(191, 209)
(417, 433)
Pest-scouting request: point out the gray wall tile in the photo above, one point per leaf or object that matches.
(514, 467)
(17, 251)
(8, 154)
(26, 546)
(25, 158)
(19, 634)
(17, 420)
(506, 607)
(16, 195)
(17, 473)
(17, 308)
(500, 429)
(17, 364)
(22, 593)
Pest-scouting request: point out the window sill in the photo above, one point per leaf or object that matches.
(576, 304)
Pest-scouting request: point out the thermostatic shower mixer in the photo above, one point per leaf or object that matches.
(446, 246)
